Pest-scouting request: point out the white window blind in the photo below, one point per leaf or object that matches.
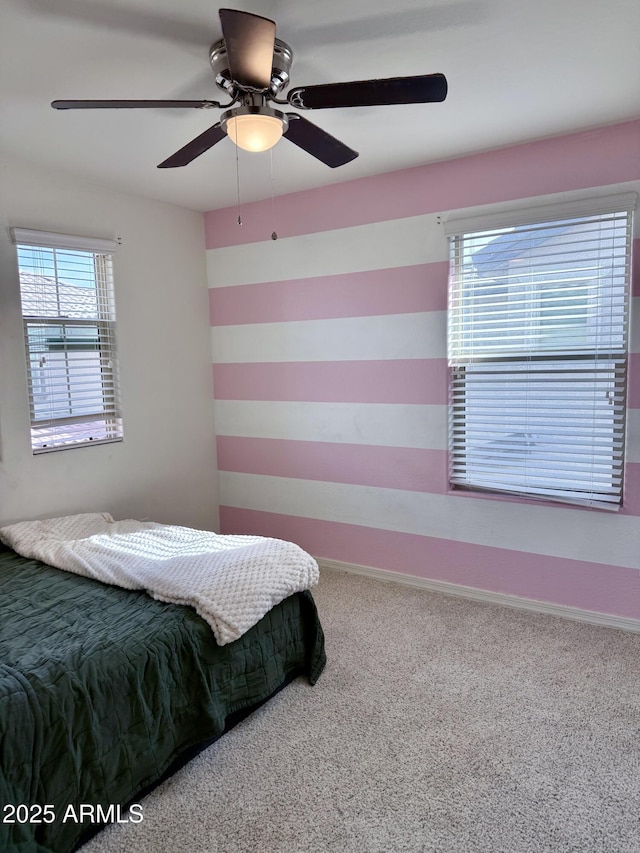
(66, 287)
(538, 328)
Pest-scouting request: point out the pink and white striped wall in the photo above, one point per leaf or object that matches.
(330, 380)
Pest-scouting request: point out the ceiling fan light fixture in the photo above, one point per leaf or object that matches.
(254, 128)
(252, 66)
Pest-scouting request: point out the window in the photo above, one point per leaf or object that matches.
(66, 288)
(538, 318)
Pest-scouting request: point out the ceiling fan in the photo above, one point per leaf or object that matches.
(252, 66)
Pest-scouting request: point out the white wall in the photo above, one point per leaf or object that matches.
(165, 469)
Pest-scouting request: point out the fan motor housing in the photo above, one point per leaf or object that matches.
(282, 59)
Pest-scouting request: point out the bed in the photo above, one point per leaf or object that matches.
(104, 691)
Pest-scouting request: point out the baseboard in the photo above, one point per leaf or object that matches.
(547, 608)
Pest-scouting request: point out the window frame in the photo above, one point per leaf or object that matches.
(461, 367)
(95, 396)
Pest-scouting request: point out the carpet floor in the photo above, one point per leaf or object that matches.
(440, 725)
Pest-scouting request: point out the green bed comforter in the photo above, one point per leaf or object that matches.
(101, 689)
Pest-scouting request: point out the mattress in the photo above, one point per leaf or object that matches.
(102, 690)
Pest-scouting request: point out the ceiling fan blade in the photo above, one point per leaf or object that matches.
(194, 148)
(318, 142)
(249, 40)
(426, 88)
(126, 105)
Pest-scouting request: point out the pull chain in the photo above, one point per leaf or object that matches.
(238, 186)
(274, 233)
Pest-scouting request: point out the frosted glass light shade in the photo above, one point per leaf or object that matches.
(254, 132)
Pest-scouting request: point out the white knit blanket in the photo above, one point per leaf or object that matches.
(231, 581)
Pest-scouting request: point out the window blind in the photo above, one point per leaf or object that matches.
(70, 340)
(538, 336)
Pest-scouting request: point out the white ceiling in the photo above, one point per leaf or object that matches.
(517, 70)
